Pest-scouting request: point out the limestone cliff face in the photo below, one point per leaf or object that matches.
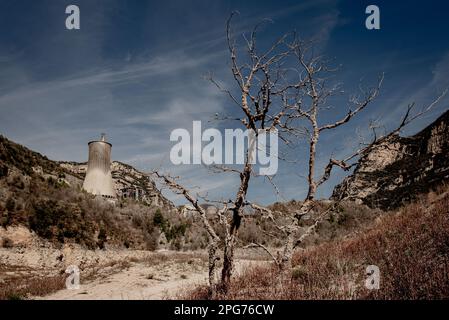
(397, 169)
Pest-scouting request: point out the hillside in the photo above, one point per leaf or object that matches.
(48, 200)
(14, 155)
(397, 169)
(46, 197)
(409, 246)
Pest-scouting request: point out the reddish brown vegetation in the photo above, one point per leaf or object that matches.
(22, 286)
(411, 248)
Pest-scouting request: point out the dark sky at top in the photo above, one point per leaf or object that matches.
(135, 70)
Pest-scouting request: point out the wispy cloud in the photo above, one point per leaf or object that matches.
(135, 73)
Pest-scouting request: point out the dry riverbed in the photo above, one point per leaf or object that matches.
(39, 272)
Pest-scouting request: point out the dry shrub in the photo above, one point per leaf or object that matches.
(198, 293)
(175, 258)
(23, 288)
(7, 243)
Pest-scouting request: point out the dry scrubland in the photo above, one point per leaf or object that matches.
(410, 246)
(111, 274)
(47, 224)
(124, 274)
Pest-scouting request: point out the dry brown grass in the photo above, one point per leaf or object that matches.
(175, 258)
(411, 248)
(29, 284)
(20, 282)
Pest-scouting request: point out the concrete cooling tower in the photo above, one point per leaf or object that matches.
(98, 179)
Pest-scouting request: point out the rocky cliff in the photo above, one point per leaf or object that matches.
(396, 169)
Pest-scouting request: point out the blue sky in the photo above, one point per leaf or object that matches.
(135, 71)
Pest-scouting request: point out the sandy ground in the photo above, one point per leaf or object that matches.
(108, 274)
(141, 282)
(137, 282)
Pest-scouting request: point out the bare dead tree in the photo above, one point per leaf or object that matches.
(258, 77)
(306, 104)
(260, 85)
(285, 88)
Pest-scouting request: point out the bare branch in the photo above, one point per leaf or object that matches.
(212, 80)
(179, 189)
(408, 118)
(215, 168)
(359, 107)
(258, 245)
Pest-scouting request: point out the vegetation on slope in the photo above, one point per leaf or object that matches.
(47, 204)
(14, 154)
(410, 247)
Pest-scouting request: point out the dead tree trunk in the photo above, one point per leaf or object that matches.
(214, 239)
(228, 254)
(287, 254)
(213, 247)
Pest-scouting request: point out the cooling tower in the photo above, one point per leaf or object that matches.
(98, 179)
